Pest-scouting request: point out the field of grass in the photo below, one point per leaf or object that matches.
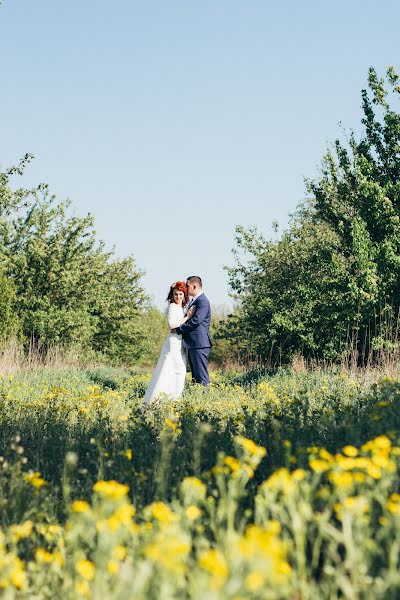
(267, 485)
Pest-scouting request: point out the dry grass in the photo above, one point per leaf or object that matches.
(14, 358)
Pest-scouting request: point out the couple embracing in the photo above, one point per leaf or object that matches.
(189, 338)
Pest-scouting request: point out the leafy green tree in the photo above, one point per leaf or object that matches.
(224, 351)
(294, 294)
(334, 276)
(120, 307)
(153, 330)
(358, 195)
(9, 322)
(10, 201)
(69, 290)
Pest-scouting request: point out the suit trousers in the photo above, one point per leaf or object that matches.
(198, 361)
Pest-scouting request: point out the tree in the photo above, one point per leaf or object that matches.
(358, 196)
(69, 290)
(335, 274)
(224, 350)
(293, 294)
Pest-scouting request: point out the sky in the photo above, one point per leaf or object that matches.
(172, 122)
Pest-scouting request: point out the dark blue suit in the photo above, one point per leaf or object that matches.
(196, 338)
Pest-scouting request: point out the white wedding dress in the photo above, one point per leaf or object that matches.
(170, 372)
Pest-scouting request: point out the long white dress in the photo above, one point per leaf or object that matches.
(170, 372)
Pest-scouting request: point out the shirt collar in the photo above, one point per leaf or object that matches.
(197, 295)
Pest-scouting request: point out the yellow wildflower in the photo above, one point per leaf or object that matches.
(112, 567)
(163, 513)
(268, 392)
(21, 531)
(193, 512)
(214, 563)
(251, 447)
(35, 479)
(122, 516)
(111, 489)
(262, 546)
(254, 581)
(171, 424)
(120, 552)
(298, 474)
(280, 480)
(169, 551)
(381, 442)
(17, 574)
(383, 462)
(86, 569)
(341, 480)
(374, 471)
(82, 588)
(356, 504)
(80, 506)
(393, 504)
(43, 556)
(350, 451)
(232, 463)
(325, 455)
(393, 507)
(318, 466)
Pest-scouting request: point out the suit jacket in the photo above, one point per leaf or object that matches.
(196, 331)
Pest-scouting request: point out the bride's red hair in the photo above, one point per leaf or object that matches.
(181, 287)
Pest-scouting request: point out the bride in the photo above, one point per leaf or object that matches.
(169, 375)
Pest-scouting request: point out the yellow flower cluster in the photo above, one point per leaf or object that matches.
(110, 489)
(263, 549)
(349, 468)
(267, 392)
(12, 573)
(35, 479)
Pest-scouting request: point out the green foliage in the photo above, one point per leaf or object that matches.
(280, 488)
(153, 330)
(294, 294)
(358, 195)
(61, 287)
(9, 322)
(99, 414)
(333, 279)
(224, 351)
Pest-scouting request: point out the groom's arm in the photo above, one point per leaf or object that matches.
(202, 310)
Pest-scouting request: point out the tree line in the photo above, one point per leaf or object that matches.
(327, 287)
(330, 284)
(59, 286)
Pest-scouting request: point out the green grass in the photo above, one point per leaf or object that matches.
(73, 427)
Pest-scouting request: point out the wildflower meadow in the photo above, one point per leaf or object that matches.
(267, 485)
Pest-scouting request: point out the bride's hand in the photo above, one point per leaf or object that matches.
(191, 312)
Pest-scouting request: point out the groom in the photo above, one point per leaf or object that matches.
(195, 332)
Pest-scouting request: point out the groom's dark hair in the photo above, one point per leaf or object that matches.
(195, 279)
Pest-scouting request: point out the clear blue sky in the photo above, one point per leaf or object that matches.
(174, 121)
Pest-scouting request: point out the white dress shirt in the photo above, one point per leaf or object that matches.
(193, 298)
